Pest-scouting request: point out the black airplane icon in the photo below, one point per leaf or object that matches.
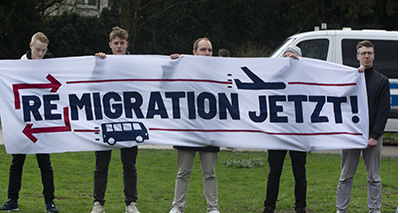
(258, 83)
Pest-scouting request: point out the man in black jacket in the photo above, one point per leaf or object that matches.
(378, 108)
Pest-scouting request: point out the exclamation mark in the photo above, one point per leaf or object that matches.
(354, 108)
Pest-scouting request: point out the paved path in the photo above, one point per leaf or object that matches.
(387, 151)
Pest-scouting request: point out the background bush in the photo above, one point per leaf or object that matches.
(245, 27)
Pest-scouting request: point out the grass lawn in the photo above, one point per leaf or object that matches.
(239, 189)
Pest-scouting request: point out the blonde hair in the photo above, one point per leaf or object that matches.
(41, 37)
(118, 32)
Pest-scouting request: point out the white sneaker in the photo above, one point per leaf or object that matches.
(175, 210)
(131, 208)
(213, 211)
(97, 208)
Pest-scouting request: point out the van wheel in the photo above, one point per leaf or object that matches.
(139, 139)
(111, 141)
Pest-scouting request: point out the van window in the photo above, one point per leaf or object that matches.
(136, 126)
(386, 55)
(117, 127)
(316, 48)
(127, 126)
(109, 128)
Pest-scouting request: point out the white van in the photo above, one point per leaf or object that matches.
(339, 46)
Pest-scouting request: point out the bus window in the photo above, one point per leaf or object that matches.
(117, 127)
(136, 126)
(127, 126)
(109, 128)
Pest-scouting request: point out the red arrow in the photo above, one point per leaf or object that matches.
(54, 85)
(29, 131)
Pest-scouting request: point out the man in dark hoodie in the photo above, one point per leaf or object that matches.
(38, 50)
(378, 109)
(38, 47)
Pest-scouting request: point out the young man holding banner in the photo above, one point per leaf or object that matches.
(378, 108)
(38, 50)
(118, 44)
(208, 157)
(276, 159)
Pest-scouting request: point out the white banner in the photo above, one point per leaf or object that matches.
(88, 103)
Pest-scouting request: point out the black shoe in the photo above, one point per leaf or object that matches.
(10, 205)
(268, 209)
(51, 208)
(300, 210)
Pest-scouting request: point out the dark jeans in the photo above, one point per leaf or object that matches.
(275, 161)
(128, 158)
(46, 170)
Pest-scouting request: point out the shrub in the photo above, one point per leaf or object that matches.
(244, 163)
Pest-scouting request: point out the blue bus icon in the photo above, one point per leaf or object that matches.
(124, 131)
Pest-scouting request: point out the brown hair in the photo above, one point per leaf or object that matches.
(224, 53)
(196, 43)
(364, 43)
(118, 32)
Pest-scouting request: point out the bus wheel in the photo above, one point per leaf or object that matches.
(111, 141)
(139, 139)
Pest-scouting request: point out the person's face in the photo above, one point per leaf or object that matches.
(204, 48)
(366, 56)
(118, 46)
(289, 54)
(38, 49)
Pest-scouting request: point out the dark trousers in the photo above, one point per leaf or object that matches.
(46, 170)
(128, 158)
(275, 161)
